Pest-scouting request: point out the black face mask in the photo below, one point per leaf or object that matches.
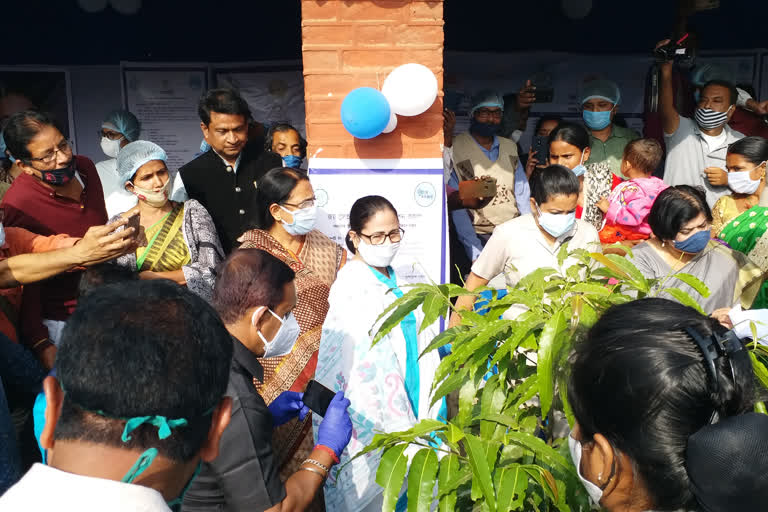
(484, 129)
(59, 177)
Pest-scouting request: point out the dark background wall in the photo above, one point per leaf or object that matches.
(61, 32)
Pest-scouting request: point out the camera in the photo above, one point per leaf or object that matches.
(673, 51)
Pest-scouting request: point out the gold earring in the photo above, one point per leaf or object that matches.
(600, 477)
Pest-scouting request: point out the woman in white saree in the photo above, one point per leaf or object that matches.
(388, 385)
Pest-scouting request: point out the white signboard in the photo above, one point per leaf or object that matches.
(418, 195)
(164, 98)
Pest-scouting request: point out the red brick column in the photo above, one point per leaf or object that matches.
(356, 43)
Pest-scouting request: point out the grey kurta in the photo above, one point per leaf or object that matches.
(729, 275)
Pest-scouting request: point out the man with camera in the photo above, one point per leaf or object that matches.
(696, 149)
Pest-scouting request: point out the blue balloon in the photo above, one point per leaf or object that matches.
(365, 112)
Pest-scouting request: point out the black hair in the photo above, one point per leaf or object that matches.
(222, 101)
(104, 274)
(572, 133)
(555, 180)
(753, 149)
(545, 118)
(728, 85)
(285, 127)
(644, 154)
(249, 278)
(21, 128)
(139, 349)
(274, 187)
(674, 207)
(362, 211)
(640, 380)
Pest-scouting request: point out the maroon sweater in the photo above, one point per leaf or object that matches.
(31, 205)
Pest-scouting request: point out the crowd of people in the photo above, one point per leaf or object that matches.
(159, 327)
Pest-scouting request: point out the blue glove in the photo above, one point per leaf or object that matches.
(286, 406)
(335, 430)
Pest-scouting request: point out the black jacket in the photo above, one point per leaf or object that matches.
(227, 195)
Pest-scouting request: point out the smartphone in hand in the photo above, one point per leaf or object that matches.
(540, 145)
(317, 397)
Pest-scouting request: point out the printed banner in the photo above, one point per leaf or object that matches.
(164, 98)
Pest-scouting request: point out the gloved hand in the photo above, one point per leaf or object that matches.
(335, 430)
(286, 406)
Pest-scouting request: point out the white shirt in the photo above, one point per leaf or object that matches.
(714, 141)
(116, 198)
(46, 489)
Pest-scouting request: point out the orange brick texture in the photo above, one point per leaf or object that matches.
(356, 43)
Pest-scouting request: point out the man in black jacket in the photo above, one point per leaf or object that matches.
(224, 178)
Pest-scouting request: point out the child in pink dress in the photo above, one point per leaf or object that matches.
(626, 208)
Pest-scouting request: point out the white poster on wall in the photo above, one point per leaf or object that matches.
(274, 90)
(413, 186)
(164, 98)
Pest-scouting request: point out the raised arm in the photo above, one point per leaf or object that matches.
(670, 118)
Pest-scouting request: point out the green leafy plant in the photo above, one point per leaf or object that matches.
(502, 450)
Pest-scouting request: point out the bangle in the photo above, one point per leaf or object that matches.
(315, 471)
(327, 450)
(318, 464)
(39, 343)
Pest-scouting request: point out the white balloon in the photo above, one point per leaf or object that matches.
(576, 9)
(410, 89)
(126, 7)
(92, 5)
(392, 124)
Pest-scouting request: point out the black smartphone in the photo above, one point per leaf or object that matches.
(133, 222)
(317, 397)
(540, 144)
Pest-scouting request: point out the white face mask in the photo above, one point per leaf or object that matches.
(380, 256)
(595, 492)
(111, 147)
(742, 183)
(285, 338)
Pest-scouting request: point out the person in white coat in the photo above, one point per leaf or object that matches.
(119, 128)
(388, 385)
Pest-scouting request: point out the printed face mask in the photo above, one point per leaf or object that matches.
(59, 177)
(709, 119)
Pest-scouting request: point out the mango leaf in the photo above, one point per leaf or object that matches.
(452, 383)
(542, 450)
(694, 282)
(445, 337)
(451, 290)
(491, 402)
(591, 289)
(510, 482)
(488, 334)
(562, 254)
(447, 483)
(434, 306)
(760, 370)
(404, 308)
(683, 298)
(545, 480)
(546, 356)
(481, 473)
(563, 390)
(466, 403)
(523, 325)
(391, 475)
(609, 264)
(523, 392)
(454, 433)
(421, 480)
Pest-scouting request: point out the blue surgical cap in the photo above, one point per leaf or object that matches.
(123, 122)
(136, 154)
(601, 89)
(486, 98)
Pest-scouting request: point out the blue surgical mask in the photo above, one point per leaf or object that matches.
(556, 224)
(580, 169)
(292, 161)
(694, 243)
(597, 120)
(303, 221)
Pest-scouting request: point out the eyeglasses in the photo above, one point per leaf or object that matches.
(485, 113)
(110, 134)
(64, 147)
(379, 238)
(307, 203)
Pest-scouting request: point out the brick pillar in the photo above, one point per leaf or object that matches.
(356, 43)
